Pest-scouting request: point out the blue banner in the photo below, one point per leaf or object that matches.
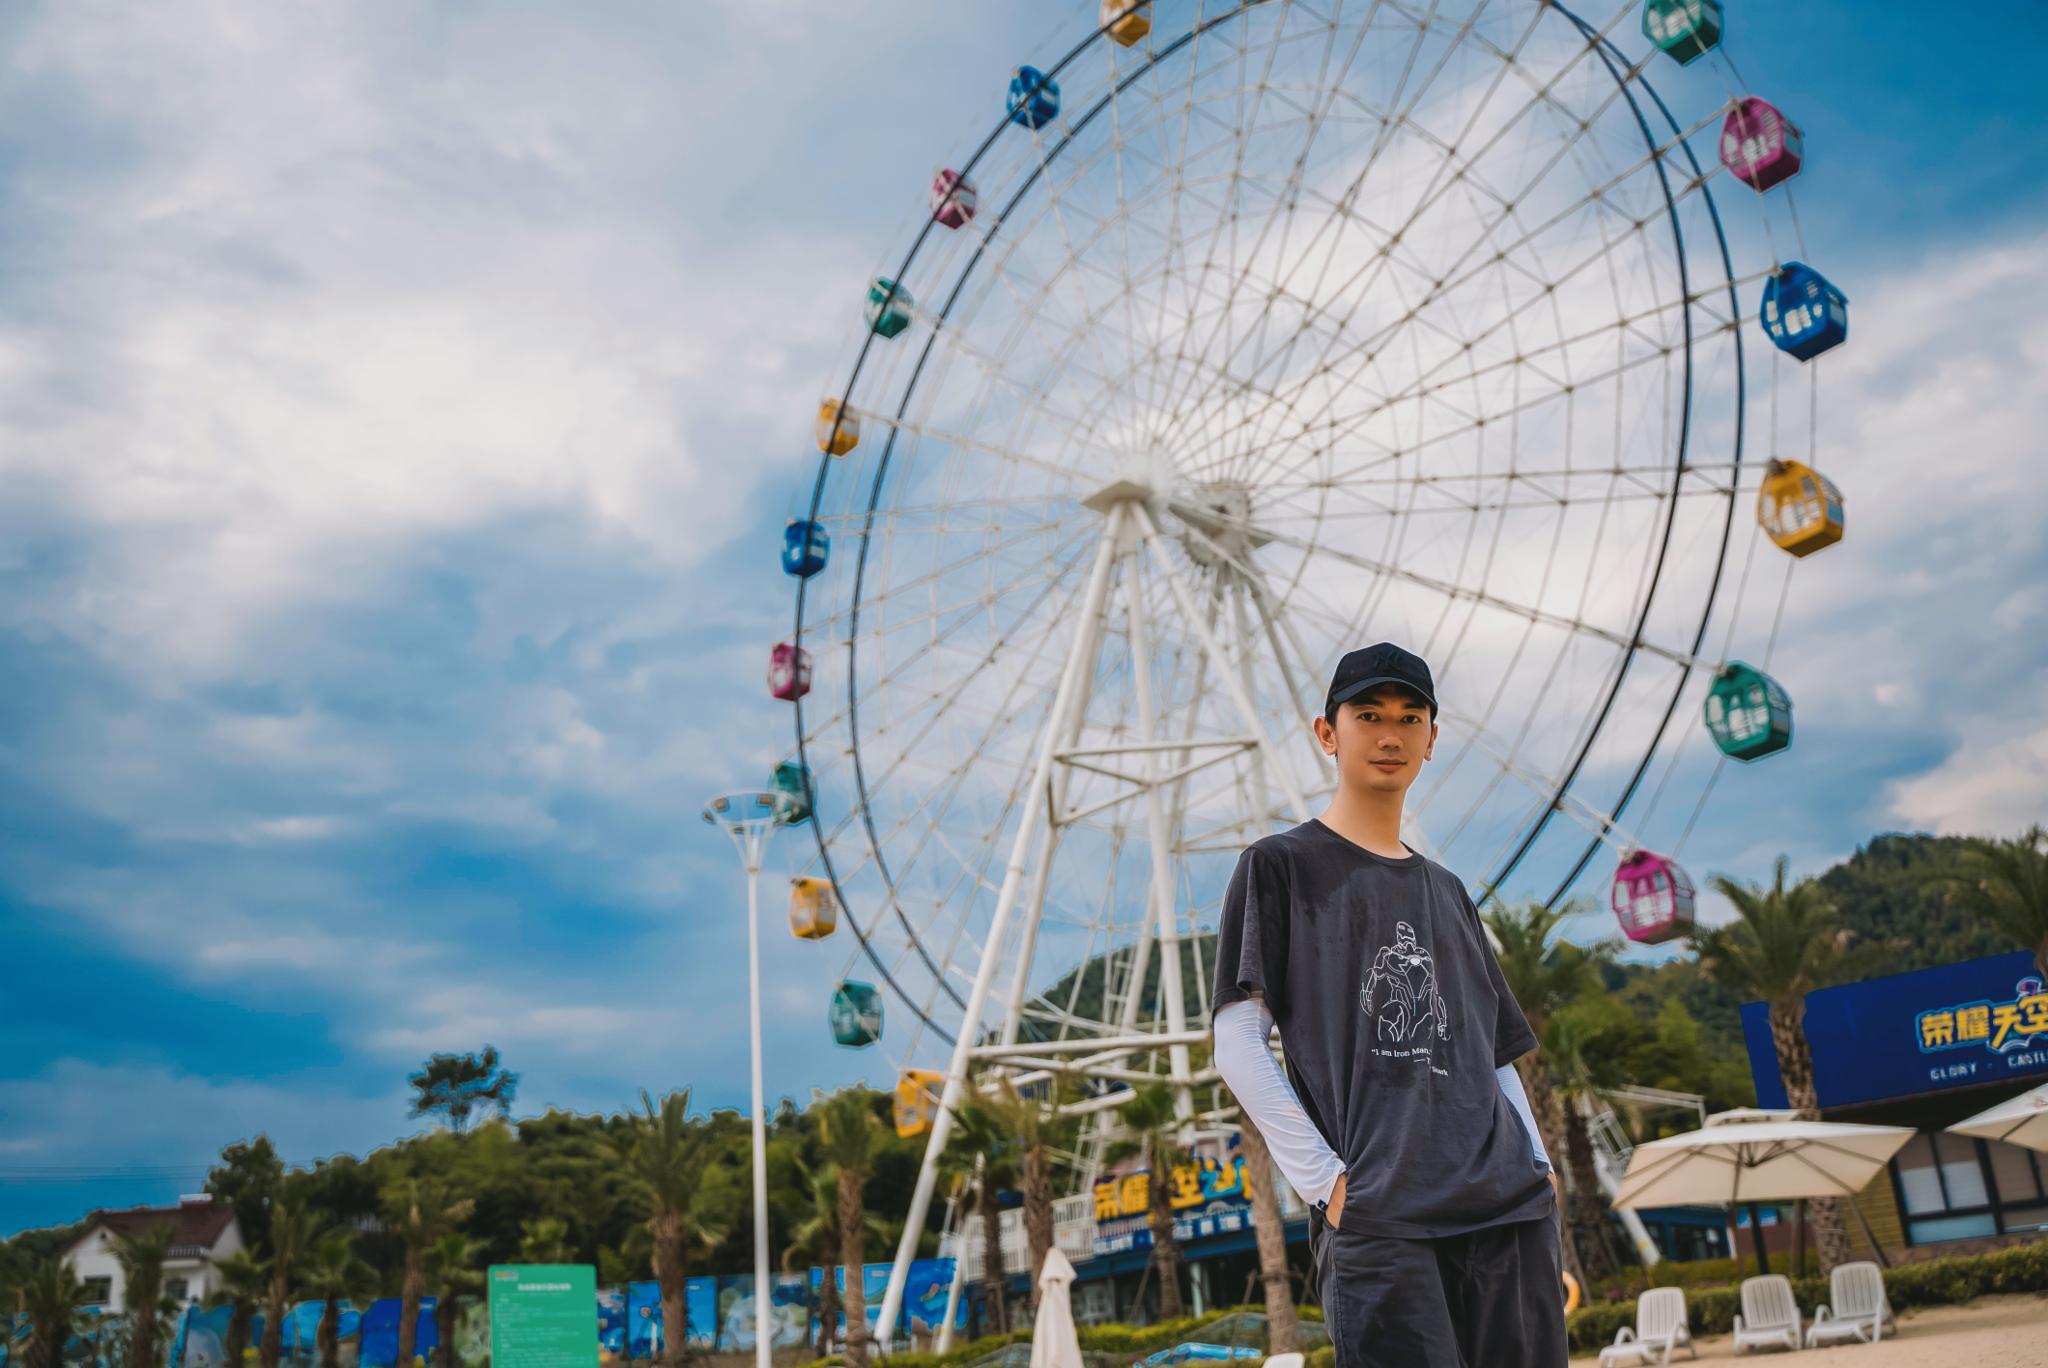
(379, 1329)
(1953, 1026)
(611, 1324)
(924, 1296)
(643, 1320)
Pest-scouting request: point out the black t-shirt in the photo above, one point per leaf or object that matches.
(1394, 1015)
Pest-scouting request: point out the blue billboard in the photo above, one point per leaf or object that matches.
(1953, 1026)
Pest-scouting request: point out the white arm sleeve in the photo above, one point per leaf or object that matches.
(1306, 1160)
(1511, 1086)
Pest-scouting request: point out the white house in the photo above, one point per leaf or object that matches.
(203, 1231)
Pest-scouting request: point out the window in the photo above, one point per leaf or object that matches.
(99, 1291)
(175, 1289)
(1951, 1187)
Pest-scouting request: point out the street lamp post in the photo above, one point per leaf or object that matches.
(750, 819)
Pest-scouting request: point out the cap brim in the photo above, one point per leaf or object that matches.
(1352, 691)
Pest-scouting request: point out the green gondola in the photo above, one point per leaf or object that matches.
(793, 782)
(1687, 29)
(856, 1014)
(1747, 712)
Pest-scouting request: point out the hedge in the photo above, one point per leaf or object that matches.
(1629, 1283)
(1939, 1282)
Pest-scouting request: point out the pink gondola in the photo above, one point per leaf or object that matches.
(789, 671)
(1759, 145)
(1653, 898)
(953, 199)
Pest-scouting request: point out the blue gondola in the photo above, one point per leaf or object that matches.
(805, 548)
(1034, 98)
(1802, 313)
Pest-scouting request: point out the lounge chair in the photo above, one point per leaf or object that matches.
(1286, 1361)
(1660, 1328)
(1858, 1308)
(1769, 1313)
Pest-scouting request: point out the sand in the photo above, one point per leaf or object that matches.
(1992, 1332)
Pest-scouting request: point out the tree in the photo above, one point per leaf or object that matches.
(1034, 1129)
(52, 1300)
(668, 1156)
(981, 1150)
(544, 1241)
(2006, 882)
(1283, 1331)
(455, 1086)
(1156, 1132)
(1547, 974)
(239, 1280)
(1781, 947)
(141, 1256)
(333, 1275)
(418, 1212)
(247, 1178)
(453, 1274)
(849, 1132)
(293, 1232)
(1580, 1071)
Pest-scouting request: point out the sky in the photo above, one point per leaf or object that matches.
(399, 406)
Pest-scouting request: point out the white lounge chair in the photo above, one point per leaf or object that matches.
(1286, 1360)
(1858, 1308)
(1660, 1328)
(1769, 1315)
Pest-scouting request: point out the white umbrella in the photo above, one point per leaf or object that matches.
(1053, 1341)
(1758, 1156)
(2021, 1120)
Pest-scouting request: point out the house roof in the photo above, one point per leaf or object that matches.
(196, 1227)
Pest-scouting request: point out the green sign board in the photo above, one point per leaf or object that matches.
(543, 1316)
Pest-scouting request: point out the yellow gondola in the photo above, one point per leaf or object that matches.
(838, 432)
(1127, 20)
(917, 1101)
(813, 912)
(1799, 507)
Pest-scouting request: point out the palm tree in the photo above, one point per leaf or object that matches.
(419, 1212)
(334, 1275)
(453, 1274)
(1283, 1332)
(52, 1300)
(293, 1232)
(1035, 1129)
(850, 1134)
(814, 1242)
(2007, 880)
(1578, 1082)
(238, 1285)
(1546, 974)
(981, 1150)
(141, 1256)
(1156, 1132)
(668, 1158)
(544, 1240)
(1779, 949)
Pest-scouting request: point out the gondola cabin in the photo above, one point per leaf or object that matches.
(856, 1014)
(1799, 507)
(1759, 145)
(1747, 713)
(838, 428)
(1686, 29)
(1034, 99)
(917, 1101)
(789, 671)
(1127, 20)
(805, 547)
(1802, 313)
(953, 199)
(793, 783)
(1653, 898)
(888, 308)
(813, 911)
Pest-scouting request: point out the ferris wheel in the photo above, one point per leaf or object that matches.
(1250, 333)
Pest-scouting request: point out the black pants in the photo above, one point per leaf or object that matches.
(1492, 1298)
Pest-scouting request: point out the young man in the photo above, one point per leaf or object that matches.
(1400, 1117)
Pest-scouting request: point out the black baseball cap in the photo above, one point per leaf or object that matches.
(1385, 663)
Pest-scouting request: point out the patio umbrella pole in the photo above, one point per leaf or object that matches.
(1756, 1238)
(1883, 1259)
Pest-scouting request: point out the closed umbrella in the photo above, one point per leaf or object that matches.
(2021, 1120)
(1751, 1155)
(1054, 1343)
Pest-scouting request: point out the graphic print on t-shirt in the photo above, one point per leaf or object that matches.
(1400, 995)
